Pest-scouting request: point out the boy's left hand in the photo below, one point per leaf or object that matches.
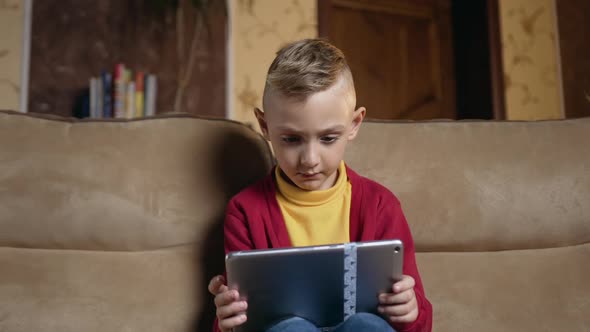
(400, 306)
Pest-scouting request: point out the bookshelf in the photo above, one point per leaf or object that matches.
(73, 41)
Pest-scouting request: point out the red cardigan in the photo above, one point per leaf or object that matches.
(254, 220)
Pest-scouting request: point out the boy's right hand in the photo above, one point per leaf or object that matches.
(231, 312)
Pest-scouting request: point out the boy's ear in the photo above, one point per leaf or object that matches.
(357, 119)
(262, 122)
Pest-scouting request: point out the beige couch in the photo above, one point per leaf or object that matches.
(116, 225)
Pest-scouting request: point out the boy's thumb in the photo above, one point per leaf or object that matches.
(216, 285)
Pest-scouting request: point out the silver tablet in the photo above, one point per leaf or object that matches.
(323, 284)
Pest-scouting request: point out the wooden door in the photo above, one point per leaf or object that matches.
(400, 53)
(573, 17)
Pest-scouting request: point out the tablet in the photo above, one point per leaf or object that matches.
(323, 284)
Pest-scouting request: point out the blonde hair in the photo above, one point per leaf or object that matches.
(305, 67)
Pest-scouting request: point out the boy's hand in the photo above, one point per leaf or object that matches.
(400, 306)
(231, 312)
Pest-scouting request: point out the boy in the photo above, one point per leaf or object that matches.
(312, 197)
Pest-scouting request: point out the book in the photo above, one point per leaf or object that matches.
(151, 89)
(99, 98)
(130, 100)
(93, 97)
(119, 93)
(107, 83)
(139, 95)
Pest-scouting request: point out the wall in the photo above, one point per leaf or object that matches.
(11, 28)
(258, 29)
(531, 59)
(528, 31)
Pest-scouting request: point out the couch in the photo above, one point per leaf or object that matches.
(116, 225)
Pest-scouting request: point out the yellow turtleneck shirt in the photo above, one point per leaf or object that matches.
(316, 217)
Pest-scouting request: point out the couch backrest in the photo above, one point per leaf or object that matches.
(483, 185)
(162, 182)
(120, 185)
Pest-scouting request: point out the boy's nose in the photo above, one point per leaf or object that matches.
(310, 158)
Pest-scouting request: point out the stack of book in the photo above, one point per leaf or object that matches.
(120, 95)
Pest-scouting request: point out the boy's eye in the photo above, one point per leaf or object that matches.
(290, 139)
(329, 139)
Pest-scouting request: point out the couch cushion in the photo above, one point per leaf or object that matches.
(91, 291)
(483, 185)
(120, 184)
(520, 290)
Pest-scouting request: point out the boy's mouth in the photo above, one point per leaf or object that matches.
(309, 175)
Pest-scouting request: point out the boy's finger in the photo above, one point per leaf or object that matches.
(398, 309)
(225, 298)
(223, 289)
(230, 323)
(400, 298)
(406, 283)
(231, 309)
(215, 285)
(401, 319)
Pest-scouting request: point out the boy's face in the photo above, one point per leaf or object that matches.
(309, 137)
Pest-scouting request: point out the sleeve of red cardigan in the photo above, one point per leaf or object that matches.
(393, 225)
(236, 236)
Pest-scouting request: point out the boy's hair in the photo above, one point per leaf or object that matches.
(305, 67)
